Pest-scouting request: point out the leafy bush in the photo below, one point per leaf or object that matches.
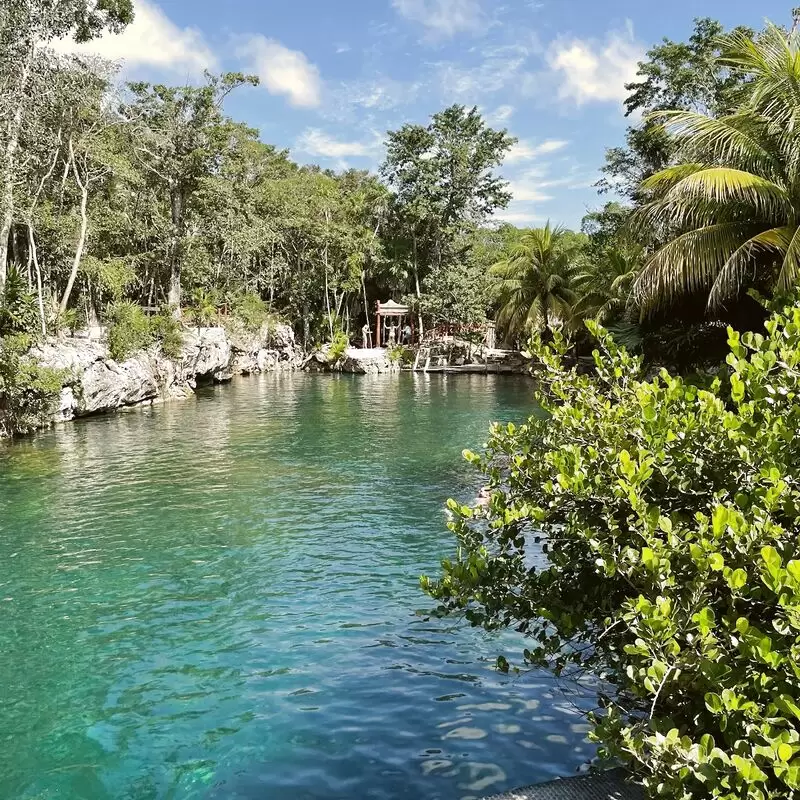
(68, 320)
(399, 354)
(167, 331)
(28, 392)
(251, 311)
(18, 312)
(205, 308)
(338, 346)
(668, 515)
(129, 330)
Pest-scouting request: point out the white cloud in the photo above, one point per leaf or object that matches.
(592, 71)
(500, 115)
(525, 150)
(151, 40)
(316, 142)
(443, 18)
(524, 192)
(381, 94)
(282, 71)
(499, 68)
(522, 219)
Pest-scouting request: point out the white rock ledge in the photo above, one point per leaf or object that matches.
(95, 383)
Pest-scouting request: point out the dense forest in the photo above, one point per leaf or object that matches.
(120, 197)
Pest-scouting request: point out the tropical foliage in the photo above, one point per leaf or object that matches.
(535, 280)
(605, 285)
(646, 531)
(731, 205)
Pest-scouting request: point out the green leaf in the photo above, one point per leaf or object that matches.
(737, 579)
(785, 752)
(714, 703)
(716, 562)
(772, 559)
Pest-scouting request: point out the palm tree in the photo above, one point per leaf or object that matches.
(605, 286)
(731, 209)
(536, 277)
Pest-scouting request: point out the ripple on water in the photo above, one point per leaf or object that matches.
(219, 598)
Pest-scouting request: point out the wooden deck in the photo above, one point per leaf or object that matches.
(609, 785)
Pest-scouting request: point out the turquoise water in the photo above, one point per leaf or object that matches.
(219, 598)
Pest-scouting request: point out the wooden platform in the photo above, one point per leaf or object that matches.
(474, 369)
(609, 785)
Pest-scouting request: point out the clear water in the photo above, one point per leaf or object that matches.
(219, 599)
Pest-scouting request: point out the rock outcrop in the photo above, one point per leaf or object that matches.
(95, 383)
(368, 362)
(354, 360)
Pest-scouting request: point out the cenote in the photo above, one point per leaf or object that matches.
(219, 598)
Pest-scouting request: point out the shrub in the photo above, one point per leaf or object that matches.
(396, 354)
(129, 330)
(205, 308)
(28, 391)
(167, 331)
(338, 346)
(251, 311)
(18, 312)
(668, 514)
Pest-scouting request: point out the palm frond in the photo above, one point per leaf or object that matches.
(689, 263)
(725, 185)
(732, 275)
(741, 139)
(790, 270)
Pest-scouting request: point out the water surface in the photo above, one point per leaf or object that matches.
(219, 598)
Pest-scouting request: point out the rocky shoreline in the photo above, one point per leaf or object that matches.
(95, 383)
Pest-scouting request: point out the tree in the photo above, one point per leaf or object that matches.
(731, 206)
(605, 284)
(535, 280)
(444, 183)
(25, 26)
(676, 76)
(180, 136)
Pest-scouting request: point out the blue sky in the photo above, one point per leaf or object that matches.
(336, 74)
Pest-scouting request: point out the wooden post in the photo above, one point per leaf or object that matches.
(378, 325)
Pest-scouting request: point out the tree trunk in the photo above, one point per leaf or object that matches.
(364, 289)
(39, 294)
(327, 295)
(271, 275)
(417, 289)
(76, 262)
(92, 317)
(174, 296)
(306, 327)
(9, 155)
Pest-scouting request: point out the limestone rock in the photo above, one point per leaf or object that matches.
(368, 362)
(94, 382)
(107, 385)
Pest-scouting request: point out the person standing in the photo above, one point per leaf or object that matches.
(366, 336)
